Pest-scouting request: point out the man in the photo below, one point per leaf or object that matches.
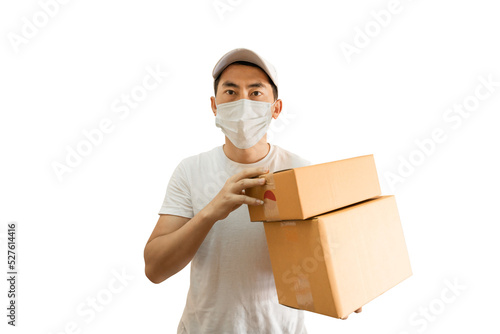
(204, 217)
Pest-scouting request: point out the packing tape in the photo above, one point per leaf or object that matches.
(303, 293)
(288, 228)
(301, 286)
(271, 211)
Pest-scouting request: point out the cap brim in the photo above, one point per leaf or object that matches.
(244, 55)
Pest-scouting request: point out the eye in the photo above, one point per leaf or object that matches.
(230, 92)
(256, 93)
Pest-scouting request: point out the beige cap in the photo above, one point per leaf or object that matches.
(245, 55)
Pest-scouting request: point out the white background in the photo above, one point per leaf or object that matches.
(74, 233)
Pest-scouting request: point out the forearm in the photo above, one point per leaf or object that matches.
(167, 254)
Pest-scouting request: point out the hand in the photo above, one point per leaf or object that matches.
(357, 311)
(232, 195)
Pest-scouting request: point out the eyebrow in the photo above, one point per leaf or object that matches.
(232, 84)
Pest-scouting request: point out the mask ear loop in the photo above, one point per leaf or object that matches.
(216, 106)
(271, 109)
(274, 102)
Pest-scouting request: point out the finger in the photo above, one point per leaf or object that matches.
(359, 310)
(243, 199)
(250, 172)
(345, 318)
(248, 183)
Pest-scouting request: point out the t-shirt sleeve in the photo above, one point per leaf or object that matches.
(299, 161)
(177, 199)
(305, 162)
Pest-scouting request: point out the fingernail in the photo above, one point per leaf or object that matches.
(260, 201)
(262, 180)
(264, 169)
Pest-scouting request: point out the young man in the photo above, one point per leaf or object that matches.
(204, 217)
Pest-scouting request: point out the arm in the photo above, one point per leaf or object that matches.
(173, 243)
(175, 240)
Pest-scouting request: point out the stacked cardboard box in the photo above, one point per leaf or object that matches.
(335, 243)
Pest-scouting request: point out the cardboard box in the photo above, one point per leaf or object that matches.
(336, 262)
(304, 192)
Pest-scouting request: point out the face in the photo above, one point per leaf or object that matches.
(244, 82)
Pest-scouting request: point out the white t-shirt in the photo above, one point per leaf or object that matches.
(231, 284)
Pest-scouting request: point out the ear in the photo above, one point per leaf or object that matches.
(212, 104)
(278, 106)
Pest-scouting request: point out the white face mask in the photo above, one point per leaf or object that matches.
(244, 122)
